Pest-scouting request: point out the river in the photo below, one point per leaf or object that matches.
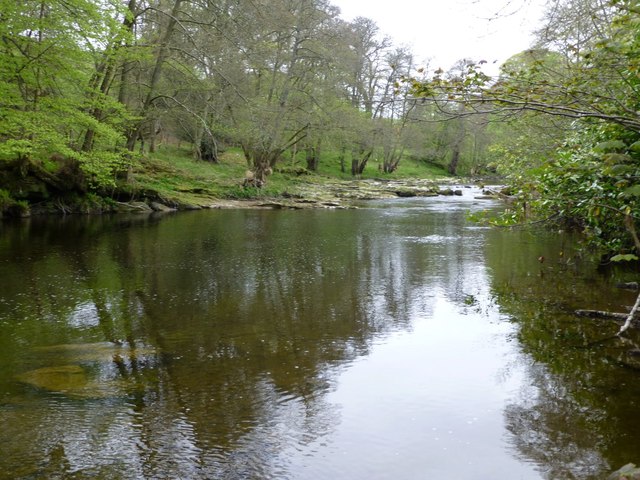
(395, 341)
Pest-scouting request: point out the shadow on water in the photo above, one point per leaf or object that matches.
(224, 344)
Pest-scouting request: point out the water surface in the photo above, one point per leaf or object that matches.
(393, 341)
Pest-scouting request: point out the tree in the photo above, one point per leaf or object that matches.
(394, 108)
(168, 20)
(52, 94)
(592, 80)
(452, 136)
(106, 70)
(362, 61)
(281, 53)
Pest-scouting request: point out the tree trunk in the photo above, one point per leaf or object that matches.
(312, 159)
(455, 158)
(209, 149)
(262, 167)
(631, 227)
(125, 69)
(391, 165)
(196, 149)
(106, 72)
(161, 56)
(153, 134)
(391, 159)
(457, 144)
(359, 161)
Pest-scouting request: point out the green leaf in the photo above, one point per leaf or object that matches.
(616, 158)
(629, 257)
(610, 146)
(619, 170)
(633, 191)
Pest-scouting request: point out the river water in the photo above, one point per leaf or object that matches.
(396, 341)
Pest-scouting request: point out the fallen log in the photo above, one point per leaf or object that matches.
(628, 318)
(602, 314)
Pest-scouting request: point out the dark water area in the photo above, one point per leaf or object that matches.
(396, 341)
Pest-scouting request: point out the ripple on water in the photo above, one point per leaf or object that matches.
(434, 239)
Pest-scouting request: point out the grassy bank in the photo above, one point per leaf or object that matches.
(171, 177)
(174, 174)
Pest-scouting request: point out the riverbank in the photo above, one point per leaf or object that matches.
(332, 193)
(171, 180)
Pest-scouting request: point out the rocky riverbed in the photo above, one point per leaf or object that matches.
(337, 194)
(345, 194)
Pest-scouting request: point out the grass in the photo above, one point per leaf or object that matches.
(173, 174)
(408, 168)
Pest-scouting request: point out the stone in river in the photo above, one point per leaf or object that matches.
(63, 378)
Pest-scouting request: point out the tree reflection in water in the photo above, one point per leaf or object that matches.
(549, 428)
(578, 416)
(232, 327)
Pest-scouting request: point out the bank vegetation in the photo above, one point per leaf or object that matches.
(151, 100)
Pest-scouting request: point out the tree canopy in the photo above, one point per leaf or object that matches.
(93, 83)
(583, 71)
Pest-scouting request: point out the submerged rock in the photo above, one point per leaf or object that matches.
(628, 472)
(63, 379)
(73, 381)
(94, 352)
(89, 370)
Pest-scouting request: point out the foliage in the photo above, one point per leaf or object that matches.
(47, 62)
(585, 75)
(590, 184)
(5, 199)
(93, 86)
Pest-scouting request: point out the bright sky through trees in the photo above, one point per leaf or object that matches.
(447, 31)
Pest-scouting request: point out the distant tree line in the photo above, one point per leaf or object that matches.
(87, 85)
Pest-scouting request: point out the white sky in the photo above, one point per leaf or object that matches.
(448, 30)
